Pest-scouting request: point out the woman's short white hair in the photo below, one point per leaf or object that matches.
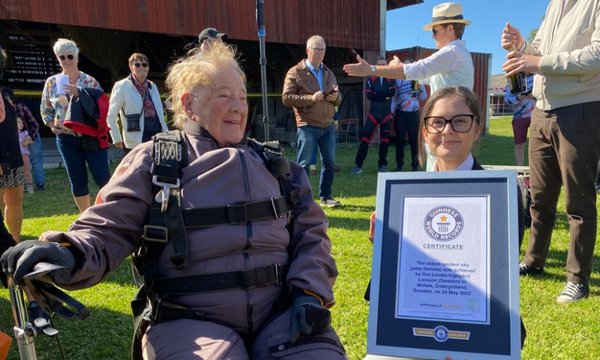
(62, 46)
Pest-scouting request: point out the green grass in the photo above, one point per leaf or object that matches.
(554, 331)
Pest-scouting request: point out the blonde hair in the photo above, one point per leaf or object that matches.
(196, 72)
(62, 46)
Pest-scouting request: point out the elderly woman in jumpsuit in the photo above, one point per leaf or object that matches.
(283, 320)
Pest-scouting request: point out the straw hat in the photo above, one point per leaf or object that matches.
(447, 13)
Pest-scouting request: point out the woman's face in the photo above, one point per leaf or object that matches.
(449, 147)
(68, 61)
(19, 124)
(140, 68)
(223, 111)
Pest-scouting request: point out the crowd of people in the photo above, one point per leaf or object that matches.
(239, 207)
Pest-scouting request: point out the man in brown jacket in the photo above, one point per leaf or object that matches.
(310, 88)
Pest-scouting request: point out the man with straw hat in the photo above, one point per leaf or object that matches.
(451, 65)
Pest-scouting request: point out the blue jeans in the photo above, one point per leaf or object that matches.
(37, 162)
(308, 139)
(75, 157)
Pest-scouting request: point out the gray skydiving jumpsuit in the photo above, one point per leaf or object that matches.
(111, 230)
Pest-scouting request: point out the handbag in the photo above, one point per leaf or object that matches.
(133, 120)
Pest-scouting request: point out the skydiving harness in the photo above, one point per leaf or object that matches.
(168, 222)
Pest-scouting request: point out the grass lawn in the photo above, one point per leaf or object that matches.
(554, 331)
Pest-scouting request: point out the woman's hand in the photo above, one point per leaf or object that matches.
(71, 90)
(27, 141)
(55, 129)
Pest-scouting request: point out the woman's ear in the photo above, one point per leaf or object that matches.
(186, 101)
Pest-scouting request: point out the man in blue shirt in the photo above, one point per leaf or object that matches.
(310, 88)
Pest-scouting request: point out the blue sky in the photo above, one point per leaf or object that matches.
(404, 27)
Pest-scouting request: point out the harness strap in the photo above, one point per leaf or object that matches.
(235, 280)
(164, 310)
(168, 160)
(177, 231)
(218, 215)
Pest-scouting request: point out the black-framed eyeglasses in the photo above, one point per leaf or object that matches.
(435, 31)
(63, 58)
(460, 123)
(318, 50)
(137, 65)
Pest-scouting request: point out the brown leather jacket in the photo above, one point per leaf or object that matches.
(299, 86)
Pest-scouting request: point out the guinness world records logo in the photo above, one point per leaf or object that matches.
(443, 223)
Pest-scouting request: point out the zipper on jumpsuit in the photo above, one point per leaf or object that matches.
(250, 327)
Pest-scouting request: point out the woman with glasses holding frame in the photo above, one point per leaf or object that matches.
(75, 148)
(136, 101)
(450, 126)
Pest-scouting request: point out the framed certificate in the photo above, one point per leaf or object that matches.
(445, 267)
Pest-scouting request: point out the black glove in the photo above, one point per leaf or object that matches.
(20, 260)
(309, 317)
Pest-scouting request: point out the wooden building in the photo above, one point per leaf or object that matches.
(108, 31)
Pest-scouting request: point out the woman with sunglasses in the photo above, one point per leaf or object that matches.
(73, 147)
(136, 101)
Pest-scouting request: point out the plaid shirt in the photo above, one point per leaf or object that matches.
(29, 121)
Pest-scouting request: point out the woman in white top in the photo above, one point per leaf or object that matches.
(136, 101)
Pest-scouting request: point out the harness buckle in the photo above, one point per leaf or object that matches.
(166, 187)
(156, 233)
(277, 281)
(277, 216)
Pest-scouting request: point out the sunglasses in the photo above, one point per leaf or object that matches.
(137, 65)
(63, 58)
(435, 31)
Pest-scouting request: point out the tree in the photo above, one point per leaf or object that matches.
(533, 32)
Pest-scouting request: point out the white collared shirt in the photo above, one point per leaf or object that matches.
(451, 65)
(465, 165)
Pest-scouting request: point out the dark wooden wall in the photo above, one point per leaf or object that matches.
(343, 23)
